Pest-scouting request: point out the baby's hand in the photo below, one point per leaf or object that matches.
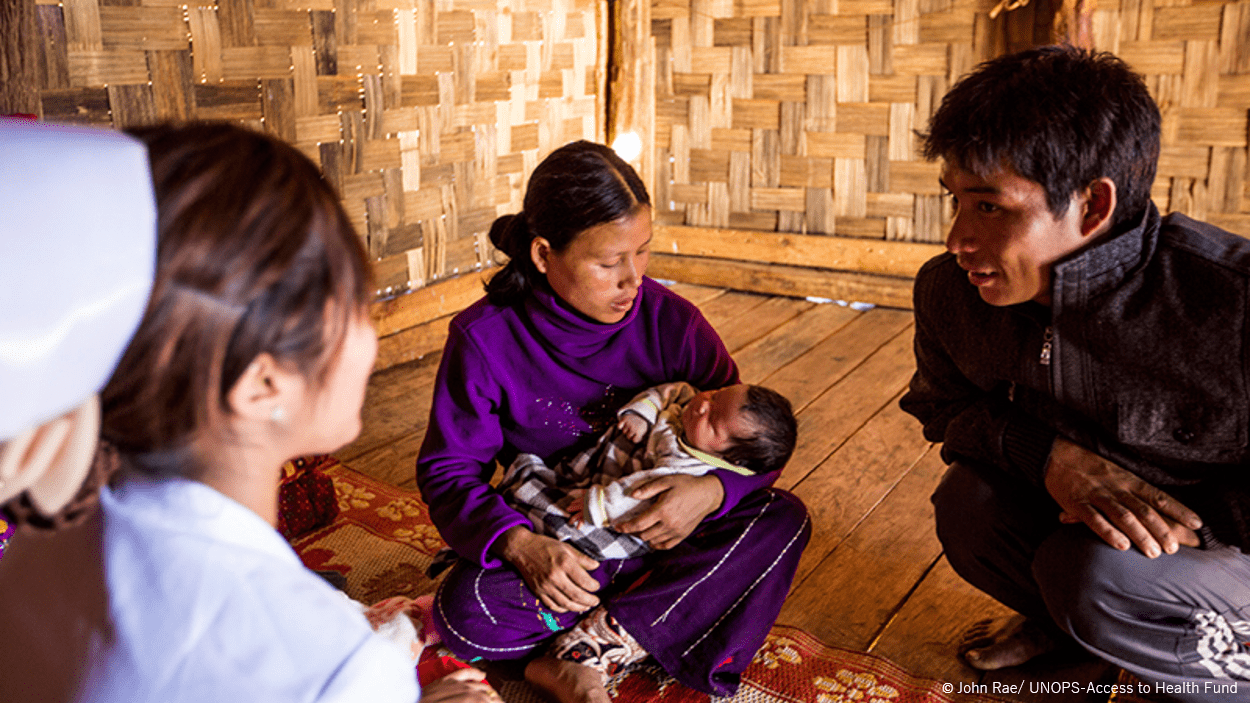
(634, 426)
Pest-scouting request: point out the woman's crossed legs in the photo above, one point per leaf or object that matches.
(701, 609)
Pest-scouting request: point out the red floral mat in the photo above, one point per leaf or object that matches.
(383, 540)
(793, 667)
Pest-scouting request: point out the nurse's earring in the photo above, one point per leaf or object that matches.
(278, 415)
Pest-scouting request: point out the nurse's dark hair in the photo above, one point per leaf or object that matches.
(578, 186)
(1058, 115)
(254, 255)
(771, 447)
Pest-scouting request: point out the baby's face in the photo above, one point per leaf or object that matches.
(714, 417)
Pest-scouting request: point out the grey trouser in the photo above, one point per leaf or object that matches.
(1179, 622)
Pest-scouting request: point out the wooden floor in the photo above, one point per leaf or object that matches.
(873, 577)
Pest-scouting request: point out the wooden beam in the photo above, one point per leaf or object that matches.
(430, 302)
(412, 343)
(632, 93)
(788, 281)
(880, 257)
(19, 78)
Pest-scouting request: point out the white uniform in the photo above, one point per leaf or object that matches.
(205, 601)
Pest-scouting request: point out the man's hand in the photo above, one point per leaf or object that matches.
(633, 426)
(464, 686)
(554, 571)
(1120, 507)
(680, 503)
(1184, 536)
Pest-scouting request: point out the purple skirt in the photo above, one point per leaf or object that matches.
(701, 609)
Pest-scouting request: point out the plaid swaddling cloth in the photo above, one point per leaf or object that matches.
(603, 476)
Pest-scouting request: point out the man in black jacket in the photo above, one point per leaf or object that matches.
(1085, 363)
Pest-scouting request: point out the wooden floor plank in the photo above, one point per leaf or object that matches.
(696, 293)
(761, 320)
(397, 402)
(923, 637)
(787, 342)
(831, 419)
(853, 481)
(729, 306)
(854, 591)
(392, 463)
(809, 375)
(785, 280)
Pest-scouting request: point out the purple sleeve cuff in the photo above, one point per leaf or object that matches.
(735, 487)
(486, 558)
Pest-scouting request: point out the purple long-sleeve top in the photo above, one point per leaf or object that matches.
(541, 378)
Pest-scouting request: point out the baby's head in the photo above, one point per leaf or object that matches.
(747, 425)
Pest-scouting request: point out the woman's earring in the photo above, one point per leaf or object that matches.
(278, 415)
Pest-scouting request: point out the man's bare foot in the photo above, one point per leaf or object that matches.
(570, 682)
(987, 645)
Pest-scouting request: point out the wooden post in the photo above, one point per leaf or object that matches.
(18, 63)
(631, 91)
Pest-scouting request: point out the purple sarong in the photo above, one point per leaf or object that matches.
(702, 609)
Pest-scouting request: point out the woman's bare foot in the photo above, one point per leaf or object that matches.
(570, 682)
(988, 645)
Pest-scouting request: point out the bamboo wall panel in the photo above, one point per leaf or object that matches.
(800, 115)
(427, 115)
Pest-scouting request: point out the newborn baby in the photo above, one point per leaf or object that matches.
(667, 429)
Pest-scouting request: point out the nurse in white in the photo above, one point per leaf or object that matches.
(254, 347)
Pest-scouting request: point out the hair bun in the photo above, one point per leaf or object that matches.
(509, 234)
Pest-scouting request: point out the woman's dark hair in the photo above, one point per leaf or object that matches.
(254, 255)
(1058, 115)
(772, 446)
(578, 186)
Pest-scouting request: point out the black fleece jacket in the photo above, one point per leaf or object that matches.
(1147, 365)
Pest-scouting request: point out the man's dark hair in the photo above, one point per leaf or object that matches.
(772, 446)
(1058, 115)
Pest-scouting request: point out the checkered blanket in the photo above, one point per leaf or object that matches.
(545, 495)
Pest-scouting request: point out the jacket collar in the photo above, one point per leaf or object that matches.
(1105, 265)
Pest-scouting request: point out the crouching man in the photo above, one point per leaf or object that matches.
(1085, 363)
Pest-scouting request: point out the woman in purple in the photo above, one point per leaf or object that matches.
(570, 330)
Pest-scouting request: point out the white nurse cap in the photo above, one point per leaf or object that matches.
(77, 253)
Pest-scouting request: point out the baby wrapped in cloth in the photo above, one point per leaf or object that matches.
(580, 499)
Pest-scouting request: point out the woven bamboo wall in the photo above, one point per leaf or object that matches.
(1196, 58)
(798, 115)
(426, 114)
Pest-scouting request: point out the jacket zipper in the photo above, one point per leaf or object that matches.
(1046, 351)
